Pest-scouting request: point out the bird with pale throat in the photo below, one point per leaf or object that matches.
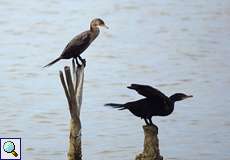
(81, 42)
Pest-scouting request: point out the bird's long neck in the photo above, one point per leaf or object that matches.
(172, 102)
(94, 32)
(169, 107)
(173, 98)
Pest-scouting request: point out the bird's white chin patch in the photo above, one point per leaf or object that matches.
(104, 26)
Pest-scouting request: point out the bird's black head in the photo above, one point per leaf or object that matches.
(179, 97)
(97, 22)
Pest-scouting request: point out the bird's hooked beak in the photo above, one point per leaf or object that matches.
(105, 26)
(188, 96)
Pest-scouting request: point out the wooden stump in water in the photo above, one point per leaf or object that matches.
(73, 86)
(151, 144)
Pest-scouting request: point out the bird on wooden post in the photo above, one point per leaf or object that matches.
(155, 103)
(81, 42)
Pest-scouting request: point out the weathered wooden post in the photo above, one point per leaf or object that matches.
(151, 144)
(73, 86)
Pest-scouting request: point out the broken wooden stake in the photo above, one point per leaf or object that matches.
(73, 86)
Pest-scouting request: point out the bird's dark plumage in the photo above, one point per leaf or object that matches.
(81, 42)
(147, 91)
(155, 103)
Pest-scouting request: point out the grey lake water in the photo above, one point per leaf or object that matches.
(176, 46)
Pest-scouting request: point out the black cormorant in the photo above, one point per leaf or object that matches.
(155, 103)
(81, 42)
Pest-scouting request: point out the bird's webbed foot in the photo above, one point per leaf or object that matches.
(83, 61)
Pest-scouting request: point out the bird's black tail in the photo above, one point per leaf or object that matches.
(54, 61)
(115, 105)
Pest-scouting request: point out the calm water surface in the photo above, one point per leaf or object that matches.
(177, 46)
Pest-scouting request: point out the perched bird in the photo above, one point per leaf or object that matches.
(155, 103)
(81, 42)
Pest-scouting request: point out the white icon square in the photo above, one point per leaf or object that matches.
(10, 149)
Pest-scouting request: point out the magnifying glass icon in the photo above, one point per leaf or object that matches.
(9, 147)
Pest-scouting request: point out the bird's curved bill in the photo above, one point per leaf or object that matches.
(188, 96)
(106, 26)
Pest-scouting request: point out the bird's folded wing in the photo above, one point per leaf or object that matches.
(147, 91)
(80, 41)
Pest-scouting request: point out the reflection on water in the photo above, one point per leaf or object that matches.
(177, 46)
